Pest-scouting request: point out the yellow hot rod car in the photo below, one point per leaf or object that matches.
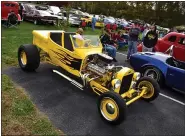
(117, 86)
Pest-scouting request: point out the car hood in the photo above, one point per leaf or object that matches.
(109, 20)
(124, 23)
(54, 16)
(156, 55)
(74, 18)
(59, 17)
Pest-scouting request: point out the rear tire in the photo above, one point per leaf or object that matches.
(28, 57)
(112, 108)
(153, 88)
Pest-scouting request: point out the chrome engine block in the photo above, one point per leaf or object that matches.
(96, 69)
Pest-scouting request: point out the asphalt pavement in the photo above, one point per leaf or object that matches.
(75, 111)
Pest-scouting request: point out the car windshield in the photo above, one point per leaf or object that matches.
(86, 41)
(55, 9)
(44, 13)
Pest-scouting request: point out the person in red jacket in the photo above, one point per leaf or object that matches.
(108, 26)
(112, 37)
(83, 24)
(114, 27)
(120, 41)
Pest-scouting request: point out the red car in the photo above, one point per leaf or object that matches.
(10, 12)
(165, 43)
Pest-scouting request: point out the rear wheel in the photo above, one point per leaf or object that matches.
(152, 86)
(28, 57)
(112, 108)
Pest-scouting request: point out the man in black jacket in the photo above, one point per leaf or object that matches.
(150, 40)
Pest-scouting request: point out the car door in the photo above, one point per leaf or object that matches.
(176, 78)
(29, 15)
(63, 53)
(33, 16)
(36, 15)
(179, 49)
(68, 48)
(166, 42)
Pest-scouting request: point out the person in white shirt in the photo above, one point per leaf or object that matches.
(145, 32)
(79, 34)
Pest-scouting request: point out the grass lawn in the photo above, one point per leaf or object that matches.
(19, 115)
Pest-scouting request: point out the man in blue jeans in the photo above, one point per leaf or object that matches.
(93, 22)
(133, 40)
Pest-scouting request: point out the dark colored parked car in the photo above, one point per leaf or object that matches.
(29, 7)
(40, 17)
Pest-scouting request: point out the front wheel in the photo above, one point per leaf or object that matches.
(112, 108)
(154, 73)
(152, 86)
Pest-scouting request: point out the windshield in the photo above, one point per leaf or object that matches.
(55, 9)
(86, 41)
(44, 13)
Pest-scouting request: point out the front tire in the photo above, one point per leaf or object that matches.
(155, 74)
(28, 57)
(152, 86)
(112, 108)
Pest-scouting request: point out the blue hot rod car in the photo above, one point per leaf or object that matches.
(161, 67)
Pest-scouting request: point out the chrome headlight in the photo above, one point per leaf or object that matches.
(137, 75)
(116, 83)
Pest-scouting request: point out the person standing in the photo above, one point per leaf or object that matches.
(114, 26)
(107, 26)
(21, 10)
(93, 22)
(150, 40)
(145, 32)
(133, 41)
(83, 24)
